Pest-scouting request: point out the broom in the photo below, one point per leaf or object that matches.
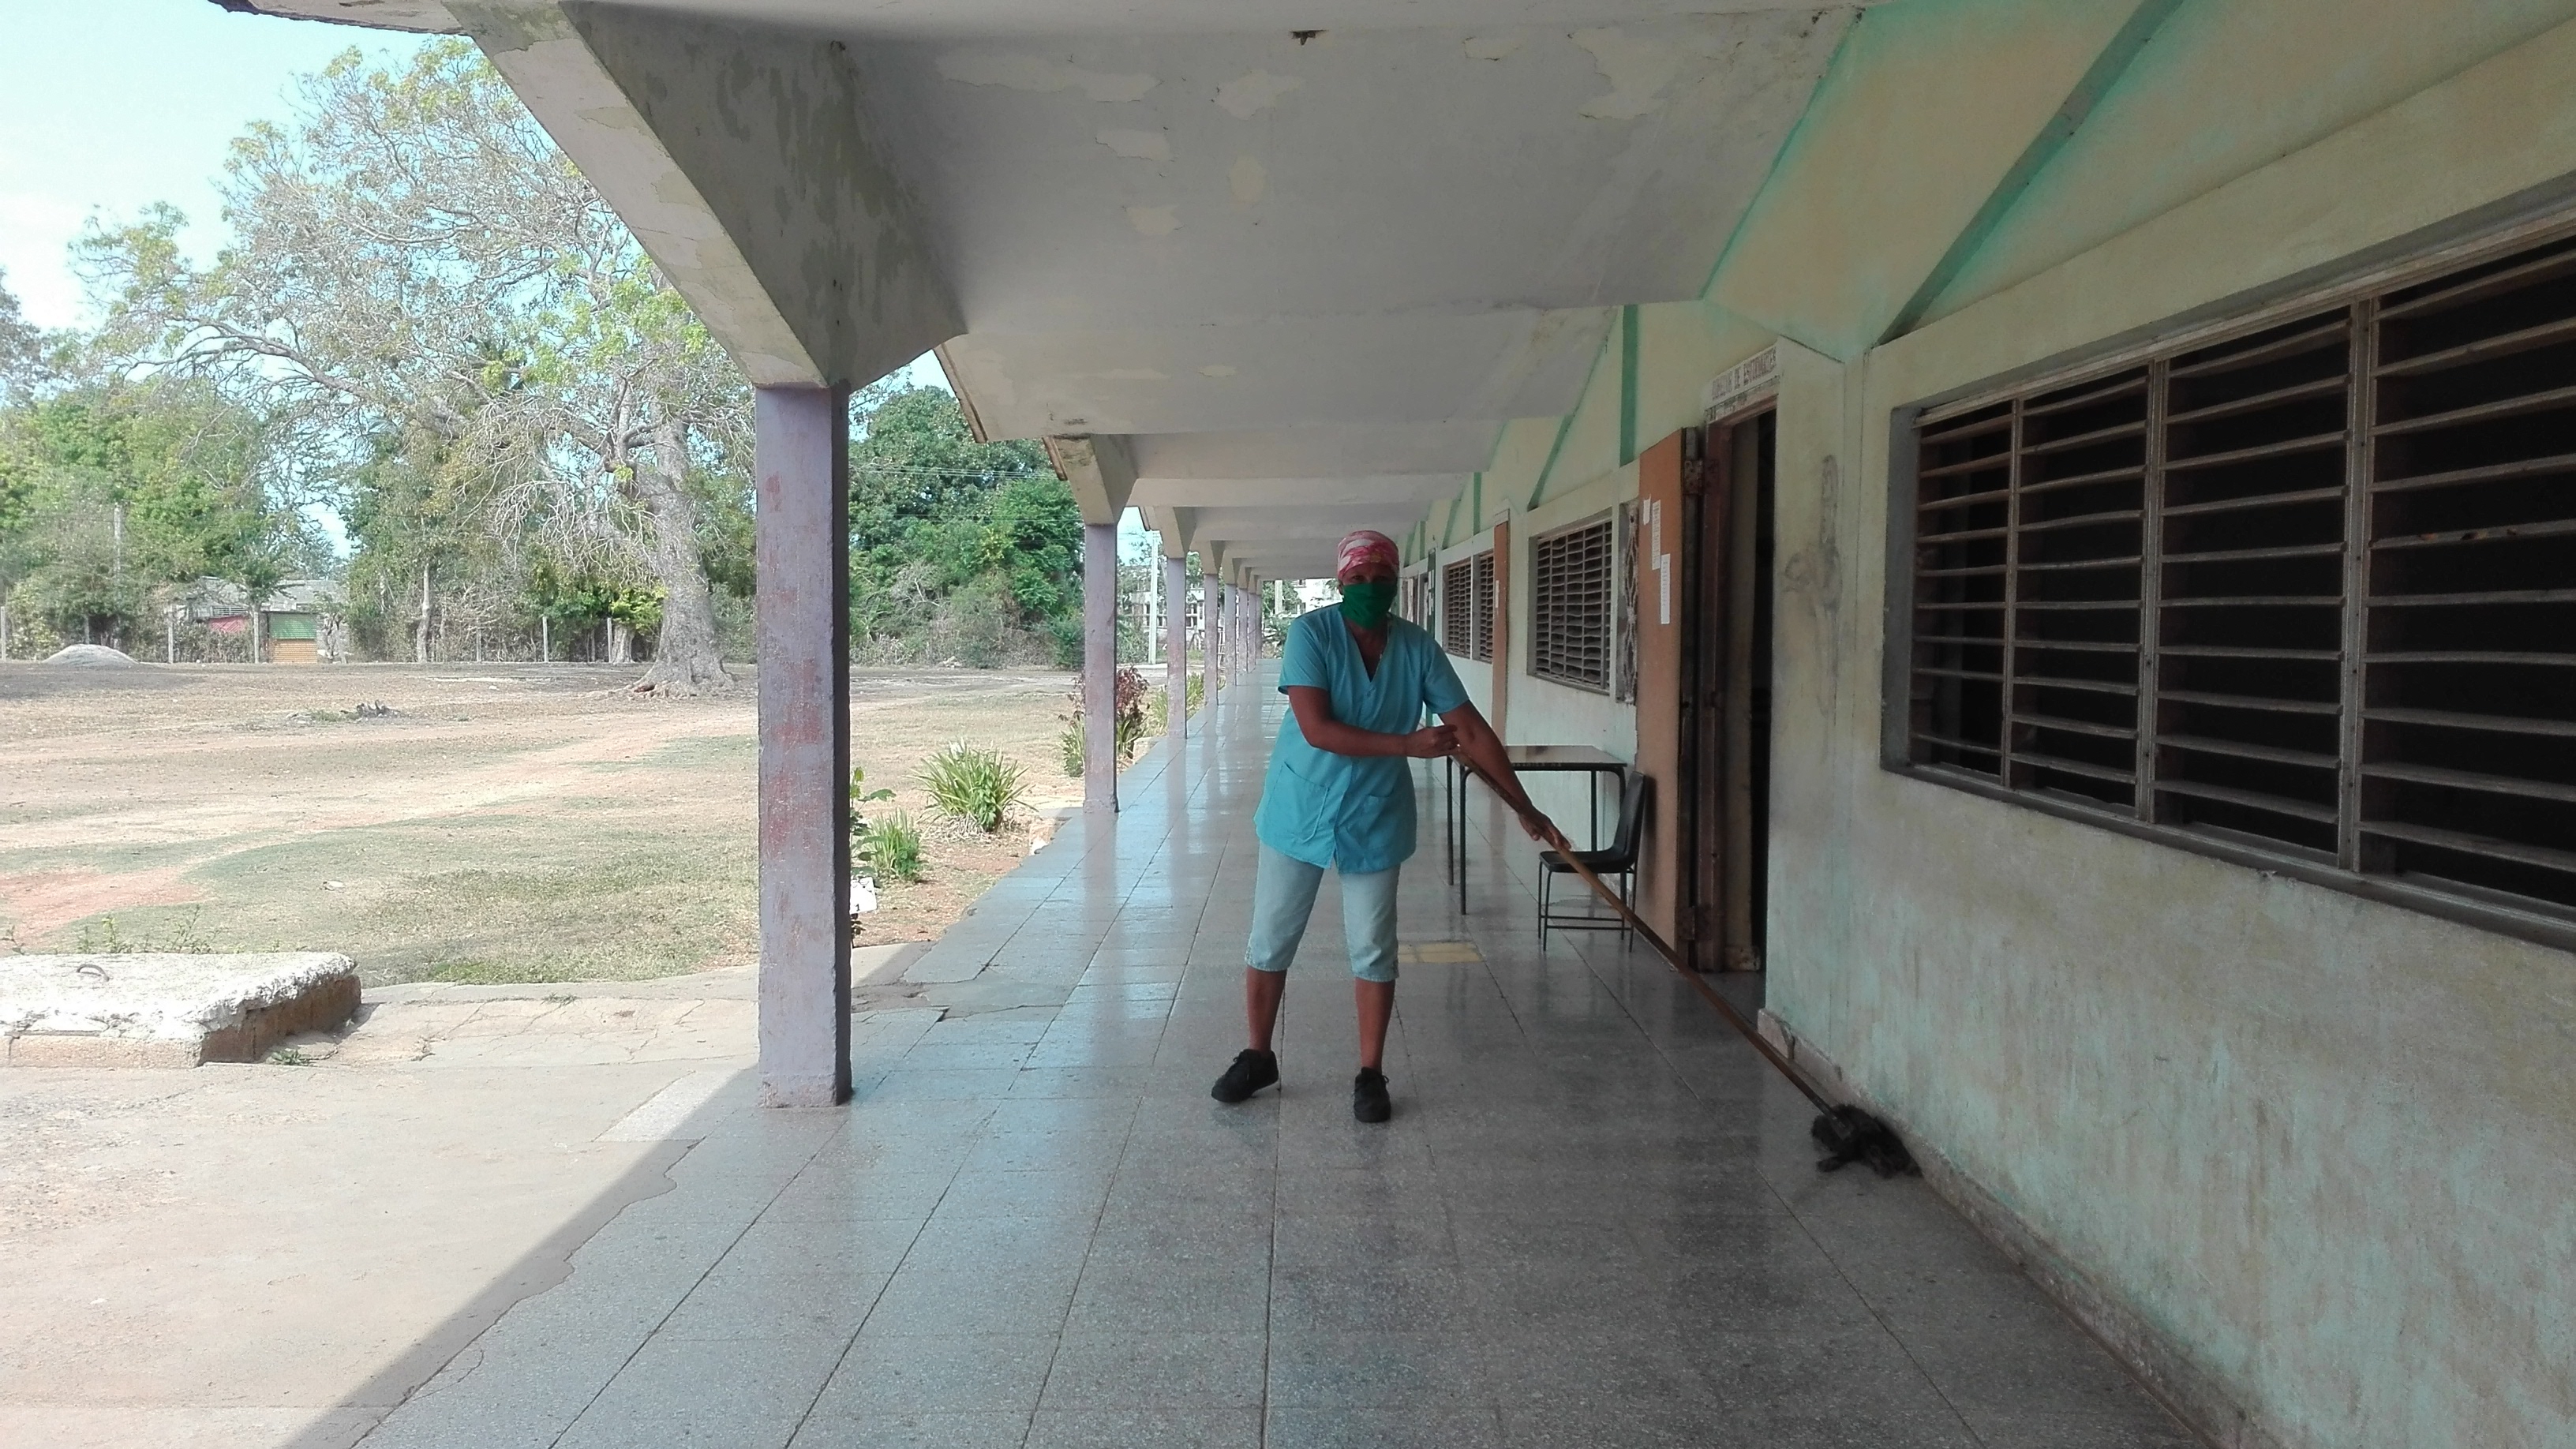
(1847, 1133)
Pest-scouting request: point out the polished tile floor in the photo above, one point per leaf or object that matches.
(1594, 1220)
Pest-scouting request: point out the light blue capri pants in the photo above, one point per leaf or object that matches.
(1283, 895)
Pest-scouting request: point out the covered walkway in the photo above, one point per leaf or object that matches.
(1593, 1221)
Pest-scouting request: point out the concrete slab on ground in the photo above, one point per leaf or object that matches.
(151, 1009)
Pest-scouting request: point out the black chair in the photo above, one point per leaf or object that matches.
(1619, 859)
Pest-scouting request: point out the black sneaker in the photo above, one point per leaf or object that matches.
(1368, 1096)
(1252, 1071)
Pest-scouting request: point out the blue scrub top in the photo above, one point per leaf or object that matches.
(1343, 810)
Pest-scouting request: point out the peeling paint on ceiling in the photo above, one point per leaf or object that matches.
(1138, 145)
(1154, 220)
(1637, 70)
(1248, 96)
(1247, 179)
(1040, 74)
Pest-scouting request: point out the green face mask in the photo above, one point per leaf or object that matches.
(1367, 604)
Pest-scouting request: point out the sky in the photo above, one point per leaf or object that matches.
(107, 106)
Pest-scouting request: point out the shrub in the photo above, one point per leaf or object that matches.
(1132, 694)
(1065, 633)
(860, 795)
(972, 625)
(889, 848)
(1133, 702)
(893, 848)
(979, 785)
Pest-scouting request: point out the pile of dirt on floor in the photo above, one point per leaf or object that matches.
(95, 656)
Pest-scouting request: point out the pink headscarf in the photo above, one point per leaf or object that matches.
(1360, 551)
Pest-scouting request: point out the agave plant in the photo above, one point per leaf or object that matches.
(979, 785)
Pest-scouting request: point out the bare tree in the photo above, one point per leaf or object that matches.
(415, 260)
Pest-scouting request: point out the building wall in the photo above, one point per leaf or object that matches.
(1646, 383)
(2326, 1144)
(2315, 1155)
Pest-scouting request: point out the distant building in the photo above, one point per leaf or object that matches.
(298, 622)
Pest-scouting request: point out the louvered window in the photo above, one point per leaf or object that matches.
(1457, 596)
(2307, 591)
(1570, 605)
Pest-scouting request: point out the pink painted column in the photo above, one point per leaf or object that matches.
(801, 550)
(1100, 667)
(1176, 645)
(1248, 657)
(1214, 606)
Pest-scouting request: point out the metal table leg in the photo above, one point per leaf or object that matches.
(1461, 798)
(1448, 822)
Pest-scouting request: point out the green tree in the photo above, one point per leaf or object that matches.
(430, 297)
(956, 547)
(21, 347)
(110, 492)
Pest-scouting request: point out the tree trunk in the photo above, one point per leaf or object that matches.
(420, 636)
(686, 658)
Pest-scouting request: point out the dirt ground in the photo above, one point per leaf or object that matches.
(501, 823)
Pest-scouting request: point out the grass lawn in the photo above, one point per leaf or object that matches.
(503, 823)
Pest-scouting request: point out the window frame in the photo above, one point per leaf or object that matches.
(1481, 604)
(2352, 286)
(1604, 524)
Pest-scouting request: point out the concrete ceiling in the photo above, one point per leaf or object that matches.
(1415, 491)
(1305, 276)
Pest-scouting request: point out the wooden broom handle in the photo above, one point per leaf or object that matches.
(1663, 948)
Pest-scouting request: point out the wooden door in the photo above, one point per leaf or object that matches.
(1726, 694)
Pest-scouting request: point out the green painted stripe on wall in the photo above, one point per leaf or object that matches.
(1628, 384)
(1565, 425)
(2097, 81)
(1780, 157)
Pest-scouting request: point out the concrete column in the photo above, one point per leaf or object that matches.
(801, 551)
(1213, 606)
(1176, 644)
(1100, 666)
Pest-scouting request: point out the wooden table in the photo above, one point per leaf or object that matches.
(1590, 760)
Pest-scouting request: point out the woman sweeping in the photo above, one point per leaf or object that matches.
(1339, 794)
